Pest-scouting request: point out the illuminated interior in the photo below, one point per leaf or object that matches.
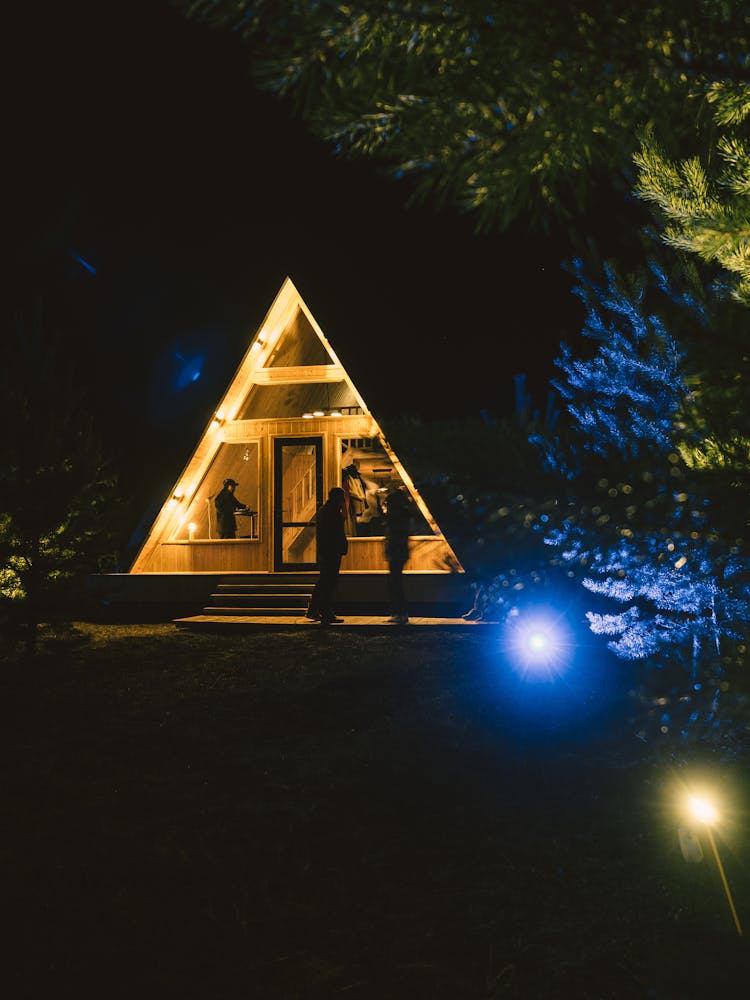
(367, 475)
(240, 462)
(268, 402)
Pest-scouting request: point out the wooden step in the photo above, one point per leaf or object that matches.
(254, 612)
(261, 600)
(264, 588)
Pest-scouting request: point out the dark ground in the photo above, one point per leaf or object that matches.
(327, 814)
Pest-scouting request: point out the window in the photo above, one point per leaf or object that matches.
(240, 462)
(367, 475)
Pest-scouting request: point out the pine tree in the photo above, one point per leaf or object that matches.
(55, 489)
(623, 399)
(707, 210)
(507, 110)
(643, 524)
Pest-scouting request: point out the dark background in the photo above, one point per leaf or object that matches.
(141, 150)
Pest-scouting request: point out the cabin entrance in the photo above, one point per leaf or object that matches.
(298, 492)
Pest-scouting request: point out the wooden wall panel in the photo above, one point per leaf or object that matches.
(241, 556)
(212, 557)
(424, 554)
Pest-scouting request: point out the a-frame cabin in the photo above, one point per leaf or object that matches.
(290, 426)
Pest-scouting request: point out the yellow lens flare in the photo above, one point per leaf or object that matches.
(703, 810)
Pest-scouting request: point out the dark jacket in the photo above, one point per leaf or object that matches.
(226, 504)
(397, 524)
(330, 532)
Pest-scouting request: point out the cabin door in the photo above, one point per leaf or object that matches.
(297, 494)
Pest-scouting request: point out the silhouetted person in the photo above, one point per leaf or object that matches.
(226, 504)
(397, 520)
(332, 546)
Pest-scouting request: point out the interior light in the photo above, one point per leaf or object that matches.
(318, 413)
(307, 416)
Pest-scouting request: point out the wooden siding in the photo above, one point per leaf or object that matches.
(431, 554)
(299, 375)
(251, 556)
(234, 556)
(361, 425)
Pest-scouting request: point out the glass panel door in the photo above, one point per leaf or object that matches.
(298, 492)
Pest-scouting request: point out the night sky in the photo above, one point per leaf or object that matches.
(143, 153)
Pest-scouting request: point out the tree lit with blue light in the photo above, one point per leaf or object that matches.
(642, 526)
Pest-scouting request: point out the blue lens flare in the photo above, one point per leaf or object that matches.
(546, 675)
(538, 643)
(84, 263)
(190, 370)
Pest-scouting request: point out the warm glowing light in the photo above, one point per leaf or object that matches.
(703, 810)
(191, 530)
(335, 413)
(307, 416)
(318, 413)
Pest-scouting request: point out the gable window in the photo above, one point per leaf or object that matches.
(367, 476)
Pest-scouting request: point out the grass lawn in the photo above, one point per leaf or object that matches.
(325, 814)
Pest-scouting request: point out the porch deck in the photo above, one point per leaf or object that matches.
(242, 623)
(279, 599)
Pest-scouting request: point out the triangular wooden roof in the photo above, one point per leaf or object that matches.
(289, 370)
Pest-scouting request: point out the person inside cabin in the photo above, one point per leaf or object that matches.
(397, 522)
(355, 493)
(332, 546)
(226, 504)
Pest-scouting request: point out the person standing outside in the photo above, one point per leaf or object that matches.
(397, 519)
(332, 546)
(226, 504)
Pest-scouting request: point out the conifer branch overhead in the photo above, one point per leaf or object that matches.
(502, 109)
(706, 207)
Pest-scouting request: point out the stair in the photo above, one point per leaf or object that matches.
(359, 597)
(255, 601)
(259, 599)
